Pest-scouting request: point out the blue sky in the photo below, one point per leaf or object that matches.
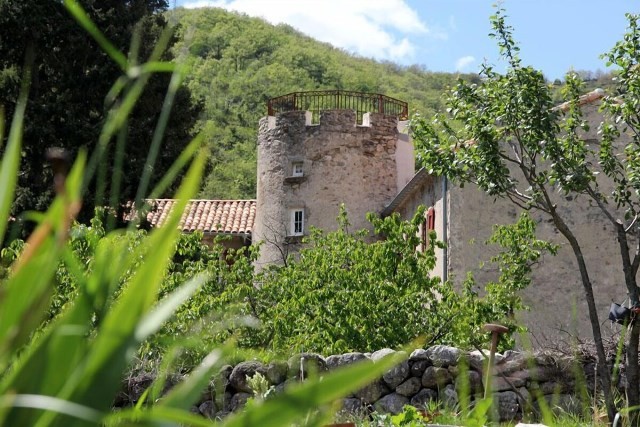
(452, 35)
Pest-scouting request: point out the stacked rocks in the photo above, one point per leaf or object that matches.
(436, 374)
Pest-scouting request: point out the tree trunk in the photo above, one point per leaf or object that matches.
(633, 395)
(603, 368)
(632, 372)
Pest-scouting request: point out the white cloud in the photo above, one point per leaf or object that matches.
(463, 63)
(374, 28)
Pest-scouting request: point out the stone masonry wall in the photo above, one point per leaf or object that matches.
(437, 373)
(555, 296)
(342, 163)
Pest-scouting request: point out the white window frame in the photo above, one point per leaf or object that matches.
(297, 222)
(297, 169)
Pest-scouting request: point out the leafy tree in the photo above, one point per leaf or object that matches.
(70, 79)
(345, 293)
(505, 136)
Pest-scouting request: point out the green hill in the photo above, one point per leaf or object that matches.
(237, 63)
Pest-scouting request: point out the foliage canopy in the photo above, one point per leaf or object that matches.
(71, 93)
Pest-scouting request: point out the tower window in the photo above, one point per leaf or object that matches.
(297, 222)
(296, 169)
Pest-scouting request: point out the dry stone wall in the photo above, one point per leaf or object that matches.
(438, 373)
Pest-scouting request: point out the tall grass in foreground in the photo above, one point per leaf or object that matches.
(69, 372)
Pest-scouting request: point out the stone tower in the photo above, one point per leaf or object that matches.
(317, 150)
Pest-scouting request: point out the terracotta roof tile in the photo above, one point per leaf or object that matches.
(587, 98)
(208, 216)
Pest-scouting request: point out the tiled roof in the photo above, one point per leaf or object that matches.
(208, 216)
(420, 177)
(587, 98)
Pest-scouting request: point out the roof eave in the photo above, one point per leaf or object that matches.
(419, 178)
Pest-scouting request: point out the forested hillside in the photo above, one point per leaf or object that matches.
(237, 63)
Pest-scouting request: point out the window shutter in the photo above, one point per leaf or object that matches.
(431, 219)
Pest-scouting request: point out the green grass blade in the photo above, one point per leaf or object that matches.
(188, 391)
(116, 339)
(83, 19)
(158, 134)
(152, 322)
(52, 404)
(55, 357)
(156, 67)
(158, 416)
(25, 294)
(177, 166)
(11, 159)
(1, 125)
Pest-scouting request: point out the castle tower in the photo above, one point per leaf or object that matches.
(317, 150)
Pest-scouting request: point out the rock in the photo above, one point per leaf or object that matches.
(419, 355)
(208, 409)
(512, 354)
(344, 359)
(474, 384)
(352, 406)
(220, 415)
(224, 401)
(443, 355)
(208, 393)
(410, 387)
(524, 400)
(423, 397)
(377, 355)
(476, 360)
(303, 365)
(542, 359)
(239, 400)
(435, 377)
(448, 396)
(418, 367)
(132, 389)
(499, 383)
(276, 372)
(221, 379)
(553, 387)
(507, 404)
(238, 377)
(454, 370)
(564, 403)
(396, 375)
(280, 388)
(371, 393)
(511, 366)
(391, 404)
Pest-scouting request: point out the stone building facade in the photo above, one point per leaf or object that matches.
(558, 307)
(306, 171)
